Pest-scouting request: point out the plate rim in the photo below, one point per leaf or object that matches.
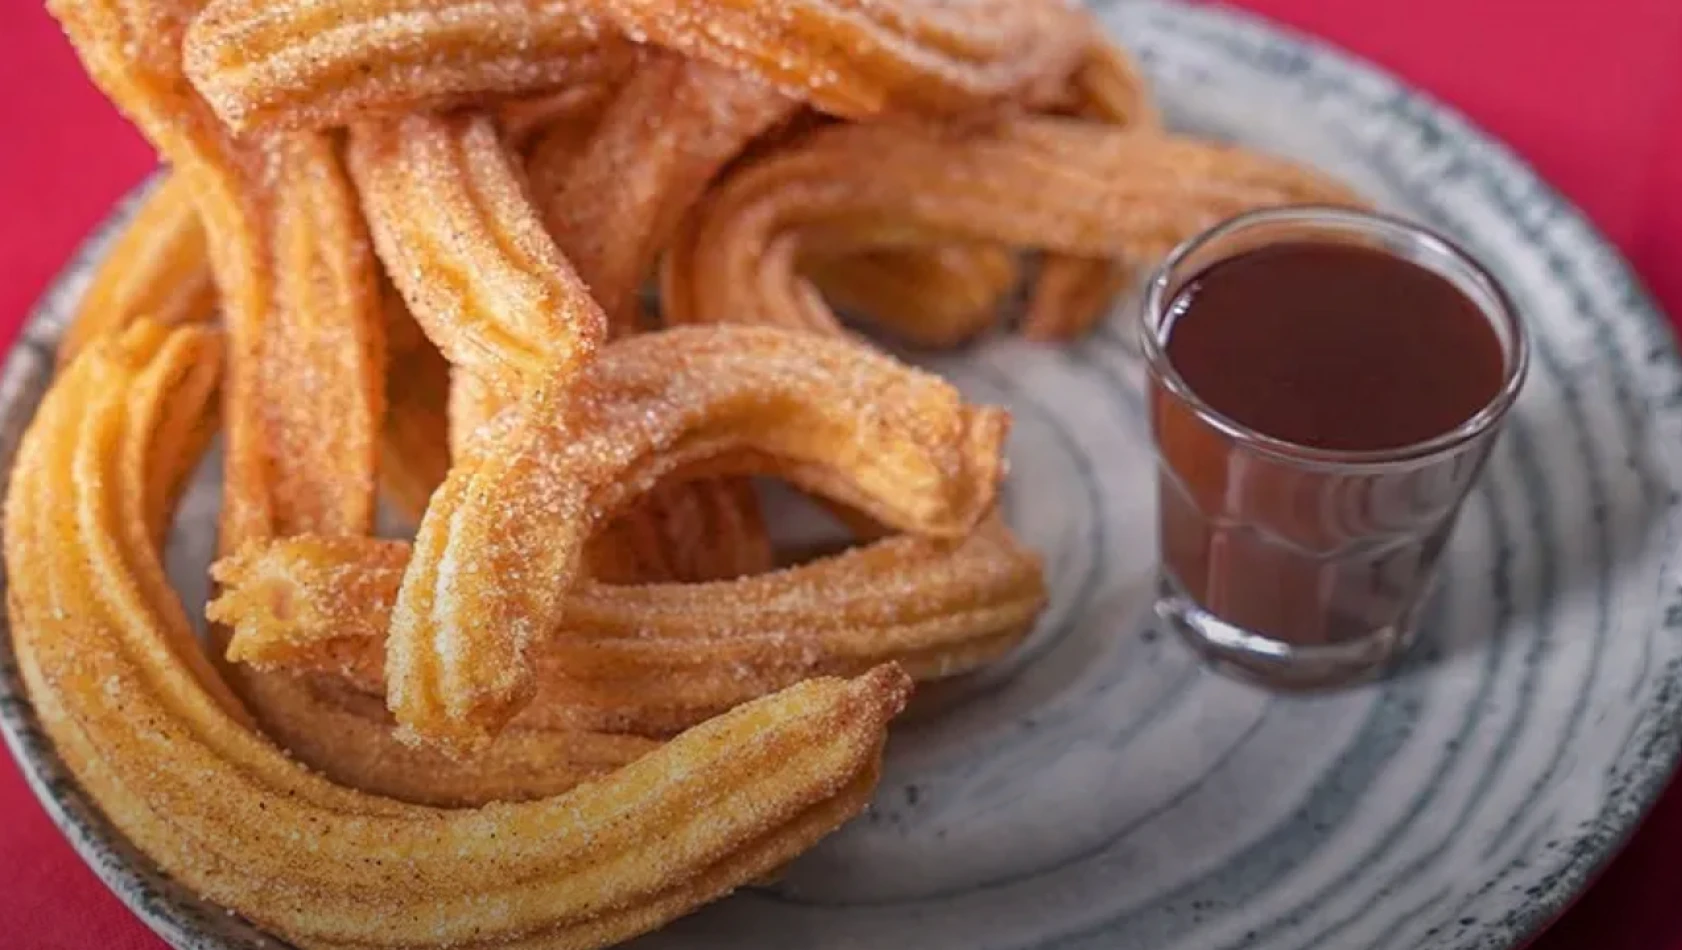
(180, 919)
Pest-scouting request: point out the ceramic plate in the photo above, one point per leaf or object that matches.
(1100, 790)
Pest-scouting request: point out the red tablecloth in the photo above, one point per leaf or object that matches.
(1591, 93)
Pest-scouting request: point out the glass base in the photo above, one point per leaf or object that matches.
(1266, 661)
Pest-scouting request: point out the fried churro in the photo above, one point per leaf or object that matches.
(1049, 183)
(321, 63)
(322, 353)
(653, 659)
(828, 415)
(859, 59)
(459, 236)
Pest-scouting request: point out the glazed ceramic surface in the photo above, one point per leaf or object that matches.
(1101, 790)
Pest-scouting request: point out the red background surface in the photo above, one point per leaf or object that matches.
(1590, 93)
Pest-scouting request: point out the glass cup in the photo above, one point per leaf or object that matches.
(1290, 565)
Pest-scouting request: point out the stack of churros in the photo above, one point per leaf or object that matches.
(401, 249)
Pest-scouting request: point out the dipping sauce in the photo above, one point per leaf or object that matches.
(1334, 346)
(1297, 389)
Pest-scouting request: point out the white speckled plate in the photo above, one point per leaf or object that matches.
(1103, 791)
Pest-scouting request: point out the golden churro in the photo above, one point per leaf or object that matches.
(319, 63)
(132, 50)
(463, 244)
(859, 59)
(653, 659)
(321, 360)
(1055, 184)
(829, 415)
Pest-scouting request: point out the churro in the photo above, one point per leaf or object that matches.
(828, 415)
(859, 60)
(462, 243)
(320, 63)
(653, 659)
(1049, 183)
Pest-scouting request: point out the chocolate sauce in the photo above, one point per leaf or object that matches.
(1322, 346)
(1334, 346)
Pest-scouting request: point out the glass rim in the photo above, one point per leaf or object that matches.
(1156, 301)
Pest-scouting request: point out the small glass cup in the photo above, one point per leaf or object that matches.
(1289, 565)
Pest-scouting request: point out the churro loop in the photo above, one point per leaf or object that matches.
(681, 530)
(829, 415)
(656, 147)
(1053, 184)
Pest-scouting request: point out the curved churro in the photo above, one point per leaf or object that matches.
(108, 660)
(657, 145)
(159, 268)
(860, 59)
(316, 63)
(656, 658)
(463, 244)
(827, 414)
(478, 271)
(681, 530)
(1055, 184)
